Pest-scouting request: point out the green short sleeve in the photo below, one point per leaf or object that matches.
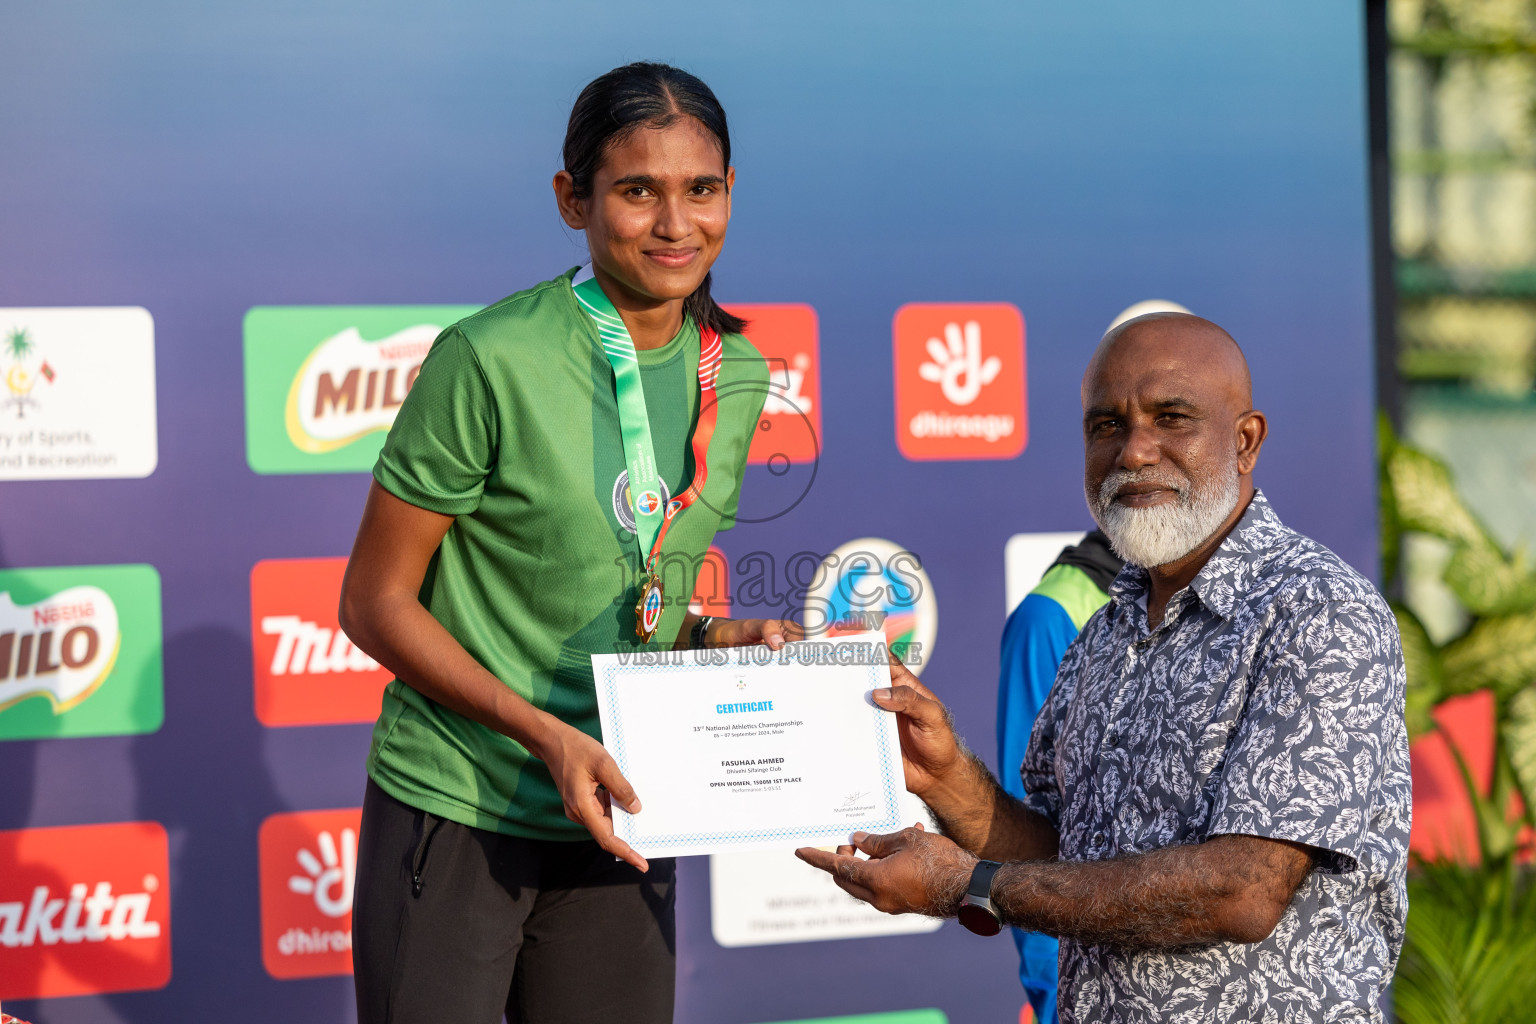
(444, 440)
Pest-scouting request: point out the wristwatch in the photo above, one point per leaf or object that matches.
(976, 910)
(700, 628)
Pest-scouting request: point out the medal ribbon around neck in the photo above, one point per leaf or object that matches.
(652, 520)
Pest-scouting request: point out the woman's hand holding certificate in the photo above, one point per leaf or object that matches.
(747, 747)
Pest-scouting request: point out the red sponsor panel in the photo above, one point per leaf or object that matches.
(84, 909)
(1444, 820)
(960, 381)
(712, 591)
(789, 432)
(308, 672)
(308, 865)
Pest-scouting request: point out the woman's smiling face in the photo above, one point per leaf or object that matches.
(658, 210)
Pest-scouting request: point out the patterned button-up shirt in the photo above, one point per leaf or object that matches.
(1268, 702)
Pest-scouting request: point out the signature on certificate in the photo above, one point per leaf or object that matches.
(851, 802)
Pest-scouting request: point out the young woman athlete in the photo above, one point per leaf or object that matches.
(548, 491)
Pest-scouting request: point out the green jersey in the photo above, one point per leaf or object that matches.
(512, 427)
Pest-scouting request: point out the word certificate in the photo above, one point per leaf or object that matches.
(745, 748)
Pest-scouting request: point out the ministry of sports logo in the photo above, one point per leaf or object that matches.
(77, 393)
(27, 369)
(624, 500)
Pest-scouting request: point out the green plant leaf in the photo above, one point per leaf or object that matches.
(1498, 653)
(1391, 529)
(1426, 500)
(1487, 582)
(1418, 494)
(1518, 731)
(1470, 942)
(1426, 676)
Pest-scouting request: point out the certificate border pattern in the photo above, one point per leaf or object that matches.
(626, 827)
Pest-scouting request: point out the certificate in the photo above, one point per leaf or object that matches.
(746, 748)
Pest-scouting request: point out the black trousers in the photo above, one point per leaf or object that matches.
(457, 925)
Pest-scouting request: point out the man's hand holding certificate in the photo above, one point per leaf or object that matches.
(741, 748)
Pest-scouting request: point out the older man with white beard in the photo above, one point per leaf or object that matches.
(1217, 791)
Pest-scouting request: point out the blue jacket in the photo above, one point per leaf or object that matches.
(1037, 635)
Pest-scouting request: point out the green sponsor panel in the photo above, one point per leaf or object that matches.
(322, 382)
(899, 1017)
(80, 652)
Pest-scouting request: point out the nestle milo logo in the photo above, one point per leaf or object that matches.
(61, 648)
(349, 386)
(80, 651)
(323, 384)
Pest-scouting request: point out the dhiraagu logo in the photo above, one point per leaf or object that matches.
(323, 383)
(80, 652)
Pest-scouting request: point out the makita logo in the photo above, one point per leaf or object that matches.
(62, 647)
(308, 647)
(349, 387)
(84, 909)
(97, 917)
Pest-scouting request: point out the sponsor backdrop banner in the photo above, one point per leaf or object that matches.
(232, 232)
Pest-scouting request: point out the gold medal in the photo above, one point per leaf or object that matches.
(648, 608)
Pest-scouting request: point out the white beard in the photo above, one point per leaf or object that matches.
(1167, 532)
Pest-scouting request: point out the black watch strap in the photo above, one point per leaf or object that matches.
(976, 910)
(700, 628)
(981, 879)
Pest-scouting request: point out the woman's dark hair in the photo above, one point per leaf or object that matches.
(645, 95)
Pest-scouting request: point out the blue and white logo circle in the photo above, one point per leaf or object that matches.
(871, 585)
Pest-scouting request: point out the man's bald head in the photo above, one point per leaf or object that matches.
(1174, 340)
(1170, 436)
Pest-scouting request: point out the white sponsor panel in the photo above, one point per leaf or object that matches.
(769, 897)
(77, 393)
(1026, 556)
(350, 386)
(63, 646)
